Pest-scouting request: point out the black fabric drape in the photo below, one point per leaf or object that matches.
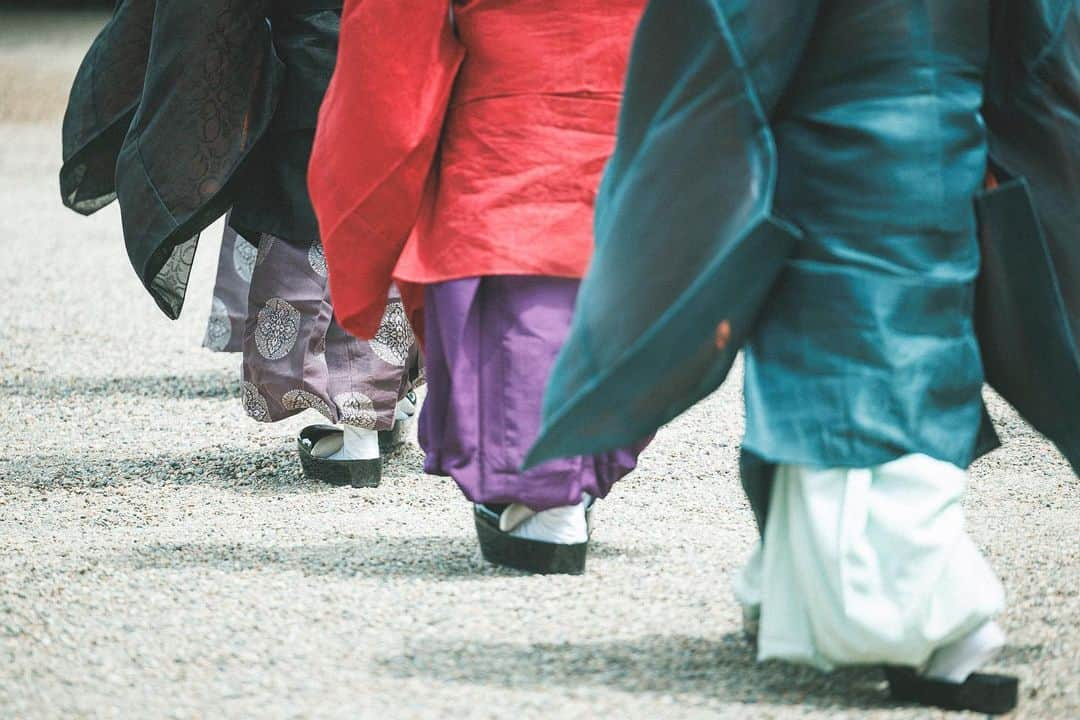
(104, 97)
(181, 110)
(273, 197)
(1028, 314)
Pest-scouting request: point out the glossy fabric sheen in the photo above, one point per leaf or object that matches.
(866, 349)
(483, 154)
(491, 342)
(685, 236)
(852, 130)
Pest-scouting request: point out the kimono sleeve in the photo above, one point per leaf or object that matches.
(103, 99)
(209, 94)
(687, 246)
(1032, 111)
(378, 131)
(1028, 310)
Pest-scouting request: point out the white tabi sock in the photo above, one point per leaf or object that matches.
(955, 661)
(562, 525)
(406, 408)
(360, 444)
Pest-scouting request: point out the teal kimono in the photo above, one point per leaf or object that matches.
(804, 179)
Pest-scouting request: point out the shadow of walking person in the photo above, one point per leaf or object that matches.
(695, 670)
(427, 557)
(211, 385)
(242, 469)
(434, 557)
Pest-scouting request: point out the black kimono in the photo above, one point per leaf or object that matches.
(181, 110)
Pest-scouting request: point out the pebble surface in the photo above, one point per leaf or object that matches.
(162, 557)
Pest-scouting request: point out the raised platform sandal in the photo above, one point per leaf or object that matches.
(494, 524)
(316, 445)
(392, 439)
(980, 692)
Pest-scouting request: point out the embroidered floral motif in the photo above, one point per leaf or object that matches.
(303, 400)
(170, 285)
(357, 409)
(277, 329)
(394, 338)
(317, 258)
(254, 403)
(244, 254)
(218, 327)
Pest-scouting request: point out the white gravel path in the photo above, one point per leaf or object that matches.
(161, 557)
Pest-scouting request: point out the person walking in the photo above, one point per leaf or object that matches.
(470, 184)
(184, 111)
(873, 201)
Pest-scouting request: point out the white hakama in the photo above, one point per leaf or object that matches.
(872, 566)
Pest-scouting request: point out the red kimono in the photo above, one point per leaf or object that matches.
(464, 142)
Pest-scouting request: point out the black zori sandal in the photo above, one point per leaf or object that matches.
(318, 442)
(981, 692)
(499, 547)
(392, 439)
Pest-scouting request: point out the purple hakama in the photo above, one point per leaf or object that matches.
(272, 302)
(490, 344)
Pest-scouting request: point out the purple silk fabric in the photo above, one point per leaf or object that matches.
(490, 344)
(272, 302)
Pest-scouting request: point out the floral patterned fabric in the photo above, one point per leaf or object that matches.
(272, 303)
(228, 311)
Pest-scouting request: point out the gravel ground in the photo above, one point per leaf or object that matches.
(161, 556)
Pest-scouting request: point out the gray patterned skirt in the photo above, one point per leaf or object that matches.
(272, 303)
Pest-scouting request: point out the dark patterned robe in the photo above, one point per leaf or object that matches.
(181, 110)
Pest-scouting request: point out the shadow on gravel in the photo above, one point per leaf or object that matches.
(243, 470)
(239, 469)
(426, 557)
(215, 385)
(434, 557)
(677, 665)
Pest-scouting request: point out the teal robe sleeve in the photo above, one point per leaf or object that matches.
(686, 245)
(688, 248)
